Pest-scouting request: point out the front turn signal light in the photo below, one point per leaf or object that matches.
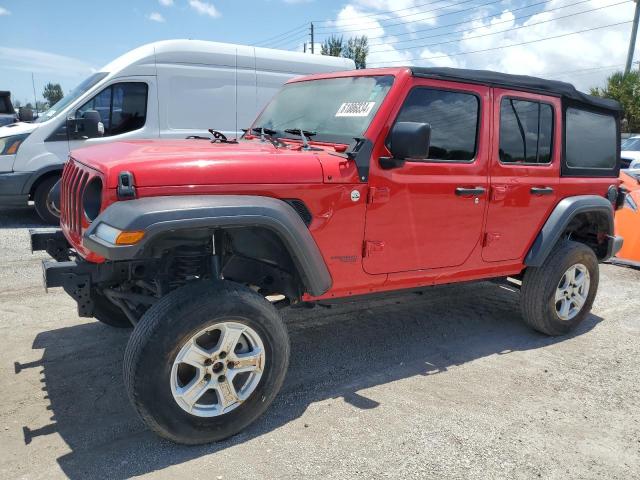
(129, 238)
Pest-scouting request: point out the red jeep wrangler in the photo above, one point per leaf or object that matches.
(348, 184)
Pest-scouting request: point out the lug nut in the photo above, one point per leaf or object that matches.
(207, 362)
(221, 378)
(207, 377)
(222, 354)
(230, 364)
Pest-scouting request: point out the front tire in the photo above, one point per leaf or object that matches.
(557, 296)
(206, 361)
(106, 312)
(43, 203)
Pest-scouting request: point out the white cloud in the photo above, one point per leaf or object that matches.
(156, 17)
(27, 60)
(549, 58)
(4, 11)
(204, 8)
(166, 3)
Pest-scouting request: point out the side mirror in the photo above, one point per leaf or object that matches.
(407, 140)
(89, 126)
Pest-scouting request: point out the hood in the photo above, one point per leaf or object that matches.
(17, 129)
(199, 162)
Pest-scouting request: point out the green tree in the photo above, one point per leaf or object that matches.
(626, 90)
(333, 46)
(52, 92)
(357, 50)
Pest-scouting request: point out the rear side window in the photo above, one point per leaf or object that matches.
(526, 131)
(453, 117)
(590, 140)
(122, 107)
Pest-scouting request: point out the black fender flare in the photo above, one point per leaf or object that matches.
(158, 215)
(559, 220)
(36, 176)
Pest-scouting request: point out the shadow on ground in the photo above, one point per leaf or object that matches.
(23, 217)
(421, 334)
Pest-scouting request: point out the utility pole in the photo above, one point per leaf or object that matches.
(312, 29)
(632, 40)
(35, 98)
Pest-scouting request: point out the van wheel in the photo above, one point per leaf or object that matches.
(44, 206)
(557, 296)
(206, 361)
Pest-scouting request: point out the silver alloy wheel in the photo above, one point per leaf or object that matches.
(50, 204)
(217, 369)
(572, 291)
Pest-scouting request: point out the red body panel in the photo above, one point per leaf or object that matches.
(412, 228)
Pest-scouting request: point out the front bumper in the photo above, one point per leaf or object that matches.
(75, 276)
(12, 189)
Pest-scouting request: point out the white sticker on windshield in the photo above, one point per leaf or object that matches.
(355, 109)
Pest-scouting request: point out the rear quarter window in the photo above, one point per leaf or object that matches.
(591, 140)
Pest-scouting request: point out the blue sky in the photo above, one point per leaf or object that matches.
(63, 41)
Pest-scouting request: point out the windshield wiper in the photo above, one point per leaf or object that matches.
(304, 135)
(267, 134)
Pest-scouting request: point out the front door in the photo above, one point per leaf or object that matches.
(524, 172)
(429, 212)
(127, 110)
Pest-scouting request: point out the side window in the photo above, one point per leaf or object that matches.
(590, 139)
(526, 131)
(453, 117)
(122, 107)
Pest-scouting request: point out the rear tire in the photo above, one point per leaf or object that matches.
(205, 406)
(556, 297)
(44, 208)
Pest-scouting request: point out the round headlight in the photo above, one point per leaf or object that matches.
(92, 199)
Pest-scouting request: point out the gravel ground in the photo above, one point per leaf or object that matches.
(447, 384)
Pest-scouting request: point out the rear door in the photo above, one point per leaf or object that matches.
(525, 168)
(429, 212)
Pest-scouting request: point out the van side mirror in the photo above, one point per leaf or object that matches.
(89, 126)
(407, 140)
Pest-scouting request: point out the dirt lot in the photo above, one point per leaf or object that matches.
(448, 384)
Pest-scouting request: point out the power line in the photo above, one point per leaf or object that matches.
(415, 21)
(472, 20)
(271, 39)
(502, 31)
(504, 46)
(388, 12)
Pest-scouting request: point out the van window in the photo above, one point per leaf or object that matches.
(453, 117)
(526, 131)
(122, 107)
(591, 140)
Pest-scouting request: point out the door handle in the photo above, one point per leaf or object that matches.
(541, 190)
(473, 191)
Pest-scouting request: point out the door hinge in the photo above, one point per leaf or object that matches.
(498, 193)
(378, 195)
(489, 238)
(371, 246)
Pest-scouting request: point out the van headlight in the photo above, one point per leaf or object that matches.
(10, 145)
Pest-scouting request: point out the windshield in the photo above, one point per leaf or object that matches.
(71, 96)
(335, 109)
(631, 145)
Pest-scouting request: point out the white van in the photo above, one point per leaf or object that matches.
(168, 89)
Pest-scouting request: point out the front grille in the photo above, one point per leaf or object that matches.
(75, 178)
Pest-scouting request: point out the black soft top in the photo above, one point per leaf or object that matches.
(517, 82)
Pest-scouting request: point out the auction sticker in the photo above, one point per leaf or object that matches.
(355, 109)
